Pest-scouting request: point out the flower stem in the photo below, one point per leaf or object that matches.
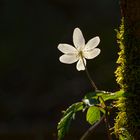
(91, 81)
(89, 77)
(105, 118)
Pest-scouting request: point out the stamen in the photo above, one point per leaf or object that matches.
(80, 54)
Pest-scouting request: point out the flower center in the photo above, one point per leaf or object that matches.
(80, 54)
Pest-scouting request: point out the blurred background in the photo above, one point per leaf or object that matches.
(34, 86)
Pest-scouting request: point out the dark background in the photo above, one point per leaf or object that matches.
(34, 86)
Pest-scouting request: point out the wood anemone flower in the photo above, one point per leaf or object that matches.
(80, 51)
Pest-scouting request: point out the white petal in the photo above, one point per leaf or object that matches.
(80, 65)
(92, 53)
(68, 59)
(92, 43)
(66, 48)
(78, 39)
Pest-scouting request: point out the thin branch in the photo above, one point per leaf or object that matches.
(106, 120)
(91, 129)
(107, 125)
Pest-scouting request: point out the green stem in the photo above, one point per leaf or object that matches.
(106, 113)
(91, 81)
(89, 77)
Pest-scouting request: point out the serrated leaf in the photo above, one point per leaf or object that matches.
(74, 107)
(91, 99)
(93, 96)
(111, 96)
(68, 115)
(90, 95)
(93, 115)
(64, 124)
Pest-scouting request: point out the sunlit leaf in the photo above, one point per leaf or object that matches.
(68, 115)
(64, 124)
(93, 97)
(74, 107)
(93, 115)
(111, 96)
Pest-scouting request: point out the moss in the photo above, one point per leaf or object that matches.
(128, 77)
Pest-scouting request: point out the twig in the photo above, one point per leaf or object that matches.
(91, 129)
(107, 125)
(106, 119)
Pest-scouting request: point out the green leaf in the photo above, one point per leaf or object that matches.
(111, 96)
(91, 99)
(64, 124)
(90, 95)
(74, 108)
(93, 115)
(68, 115)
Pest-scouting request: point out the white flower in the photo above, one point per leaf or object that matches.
(81, 51)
